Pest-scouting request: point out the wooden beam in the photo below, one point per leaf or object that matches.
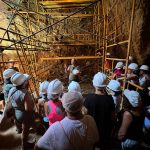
(63, 44)
(135, 85)
(61, 2)
(73, 57)
(83, 34)
(57, 14)
(64, 6)
(117, 59)
(119, 43)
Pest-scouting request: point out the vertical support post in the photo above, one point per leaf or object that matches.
(129, 40)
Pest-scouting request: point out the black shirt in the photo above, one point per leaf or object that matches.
(101, 108)
(135, 129)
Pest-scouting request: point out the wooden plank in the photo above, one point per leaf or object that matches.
(83, 34)
(119, 43)
(64, 6)
(117, 59)
(63, 44)
(57, 14)
(135, 85)
(75, 57)
(61, 2)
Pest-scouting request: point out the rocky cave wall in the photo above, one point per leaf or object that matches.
(140, 44)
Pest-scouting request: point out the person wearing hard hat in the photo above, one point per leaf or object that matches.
(118, 71)
(74, 71)
(53, 108)
(22, 104)
(101, 107)
(144, 78)
(130, 132)
(114, 89)
(131, 74)
(76, 131)
(108, 63)
(7, 74)
(43, 96)
(74, 86)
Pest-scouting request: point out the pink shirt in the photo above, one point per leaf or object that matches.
(53, 116)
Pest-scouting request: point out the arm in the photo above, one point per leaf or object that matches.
(46, 142)
(46, 108)
(28, 102)
(127, 119)
(68, 69)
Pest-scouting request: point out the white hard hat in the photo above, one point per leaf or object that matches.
(43, 87)
(74, 86)
(119, 65)
(114, 85)
(144, 67)
(55, 87)
(99, 80)
(8, 73)
(149, 88)
(72, 101)
(133, 97)
(133, 66)
(75, 71)
(19, 78)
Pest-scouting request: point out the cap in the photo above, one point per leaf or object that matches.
(8, 73)
(74, 86)
(19, 78)
(99, 80)
(133, 97)
(72, 101)
(133, 66)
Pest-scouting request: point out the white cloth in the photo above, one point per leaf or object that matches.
(81, 133)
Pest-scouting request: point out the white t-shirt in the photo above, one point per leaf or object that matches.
(78, 135)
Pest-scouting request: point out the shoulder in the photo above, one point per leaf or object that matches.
(88, 117)
(127, 114)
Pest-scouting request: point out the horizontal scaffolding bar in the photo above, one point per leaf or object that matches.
(117, 59)
(57, 14)
(64, 6)
(119, 43)
(135, 85)
(61, 2)
(9, 61)
(76, 57)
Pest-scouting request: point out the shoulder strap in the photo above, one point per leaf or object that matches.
(69, 139)
(12, 94)
(74, 148)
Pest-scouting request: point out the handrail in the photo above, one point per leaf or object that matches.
(135, 85)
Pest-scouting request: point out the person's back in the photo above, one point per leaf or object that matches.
(101, 108)
(70, 135)
(55, 111)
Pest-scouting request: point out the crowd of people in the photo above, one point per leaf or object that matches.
(75, 122)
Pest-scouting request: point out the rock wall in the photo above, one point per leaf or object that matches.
(140, 44)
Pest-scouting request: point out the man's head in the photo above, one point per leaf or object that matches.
(11, 63)
(72, 102)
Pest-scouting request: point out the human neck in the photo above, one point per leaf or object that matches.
(76, 116)
(99, 92)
